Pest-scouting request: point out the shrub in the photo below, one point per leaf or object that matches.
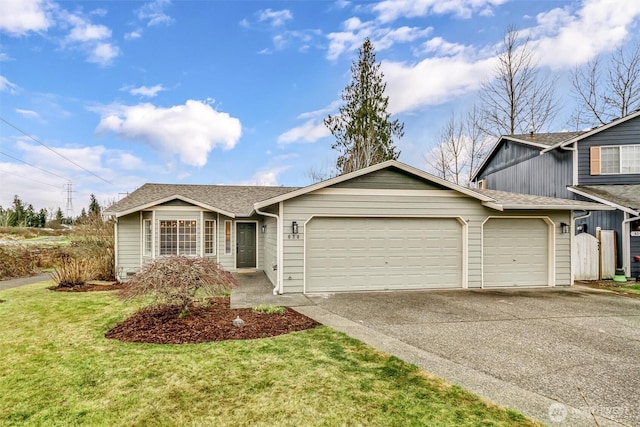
(178, 281)
(73, 272)
(94, 238)
(269, 309)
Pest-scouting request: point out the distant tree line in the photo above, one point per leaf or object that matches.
(21, 214)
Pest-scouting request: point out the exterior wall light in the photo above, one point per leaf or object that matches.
(564, 228)
(264, 228)
(294, 227)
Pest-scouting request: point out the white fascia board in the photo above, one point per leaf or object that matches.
(611, 205)
(389, 163)
(169, 198)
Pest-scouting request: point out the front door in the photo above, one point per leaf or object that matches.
(246, 245)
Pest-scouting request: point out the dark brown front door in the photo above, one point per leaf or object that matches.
(246, 245)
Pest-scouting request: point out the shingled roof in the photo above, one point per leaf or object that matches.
(623, 195)
(235, 199)
(514, 201)
(549, 139)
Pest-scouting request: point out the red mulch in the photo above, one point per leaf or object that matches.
(87, 288)
(208, 323)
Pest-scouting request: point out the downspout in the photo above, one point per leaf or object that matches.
(115, 249)
(626, 244)
(278, 288)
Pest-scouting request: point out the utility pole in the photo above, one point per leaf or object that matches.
(69, 189)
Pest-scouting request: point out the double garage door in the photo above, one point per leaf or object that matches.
(368, 254)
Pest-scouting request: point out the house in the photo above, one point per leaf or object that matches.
(388, 226)
(601, 165)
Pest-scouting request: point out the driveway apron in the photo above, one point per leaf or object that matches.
(562, 356)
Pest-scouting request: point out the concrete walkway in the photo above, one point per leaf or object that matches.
(20, 281)
(565, 357)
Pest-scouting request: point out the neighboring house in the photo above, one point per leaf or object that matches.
(388, 226)
(601, 165)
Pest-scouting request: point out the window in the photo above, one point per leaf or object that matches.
(616, 159)
(178, 237)
(209, 237)
(146, 230)
(227, 237)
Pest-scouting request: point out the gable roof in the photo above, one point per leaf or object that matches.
(230, 200)
(623, 197)
(388, 164)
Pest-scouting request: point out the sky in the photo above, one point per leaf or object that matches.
(100, 97)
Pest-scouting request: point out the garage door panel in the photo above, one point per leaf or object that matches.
(515, 252)
(382, 253)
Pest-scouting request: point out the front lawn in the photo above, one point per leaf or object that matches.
(58, 369)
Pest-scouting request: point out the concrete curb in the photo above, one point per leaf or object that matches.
(21, 281)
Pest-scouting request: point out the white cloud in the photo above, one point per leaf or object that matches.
(564, 38)
(19, 17)
(310, 131)
(103, 54)
(321, 112)
(136, 34)
(191, 130)
(390, 10)
(276, 18)
(86, 32)
(146, 91)
(153, 13)
(6, 85)
(28, 114)
(128, 161)
(441, 47)
(265, 177)
(432, 81)
(5, 57)
(355, 32)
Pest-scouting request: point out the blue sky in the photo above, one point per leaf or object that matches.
(234, 92)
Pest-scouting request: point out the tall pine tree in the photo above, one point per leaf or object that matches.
(363, 128)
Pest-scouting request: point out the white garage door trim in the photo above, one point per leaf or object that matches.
(551, 246)
(464, 232)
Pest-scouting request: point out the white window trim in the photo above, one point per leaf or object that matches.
(619, 147)
(230, 237)
(213, 237)
(147, 235)
(177, 239)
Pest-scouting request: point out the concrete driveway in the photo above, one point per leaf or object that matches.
(563, 357)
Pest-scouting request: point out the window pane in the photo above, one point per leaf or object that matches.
(147, 237)
(209, 241)
(227, 237)
(187, 237)
(610, 159)
(168, 237)
(630, 159)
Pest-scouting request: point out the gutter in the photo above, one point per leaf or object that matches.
(279, 255)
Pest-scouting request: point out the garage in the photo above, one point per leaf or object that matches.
(358, 254)
(515, 252)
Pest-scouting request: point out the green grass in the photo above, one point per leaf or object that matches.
(634, 289)
(58, 370)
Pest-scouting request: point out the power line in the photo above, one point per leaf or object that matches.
(52, 150)
(33, 166)
(30, 179)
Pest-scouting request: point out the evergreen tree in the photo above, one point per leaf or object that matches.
(363, 128)
(59, 216)
(94, 206)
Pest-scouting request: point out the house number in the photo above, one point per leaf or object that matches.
(635, 233)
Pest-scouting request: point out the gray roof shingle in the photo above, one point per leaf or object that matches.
(550, 138)
(529, 201)
(237, 199)
(627, 195)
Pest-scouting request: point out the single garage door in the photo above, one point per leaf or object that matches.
(515, 252)
(363, 254)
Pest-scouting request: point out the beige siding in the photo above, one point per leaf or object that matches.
(226, 260)
(269, 252)
(302, 208)
(128, 251)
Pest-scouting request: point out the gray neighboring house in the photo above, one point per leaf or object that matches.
(388, 226)
(599, 165)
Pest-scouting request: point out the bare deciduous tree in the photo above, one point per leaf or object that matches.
(517, 99)
(460, 148)
(604, 96)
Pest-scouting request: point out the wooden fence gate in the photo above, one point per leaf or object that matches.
(594, 258)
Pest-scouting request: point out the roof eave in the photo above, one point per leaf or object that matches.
(167, 199)
(610, 204)
(367, 170)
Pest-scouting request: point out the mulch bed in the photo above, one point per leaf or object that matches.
(206, 323)
(87, 288)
